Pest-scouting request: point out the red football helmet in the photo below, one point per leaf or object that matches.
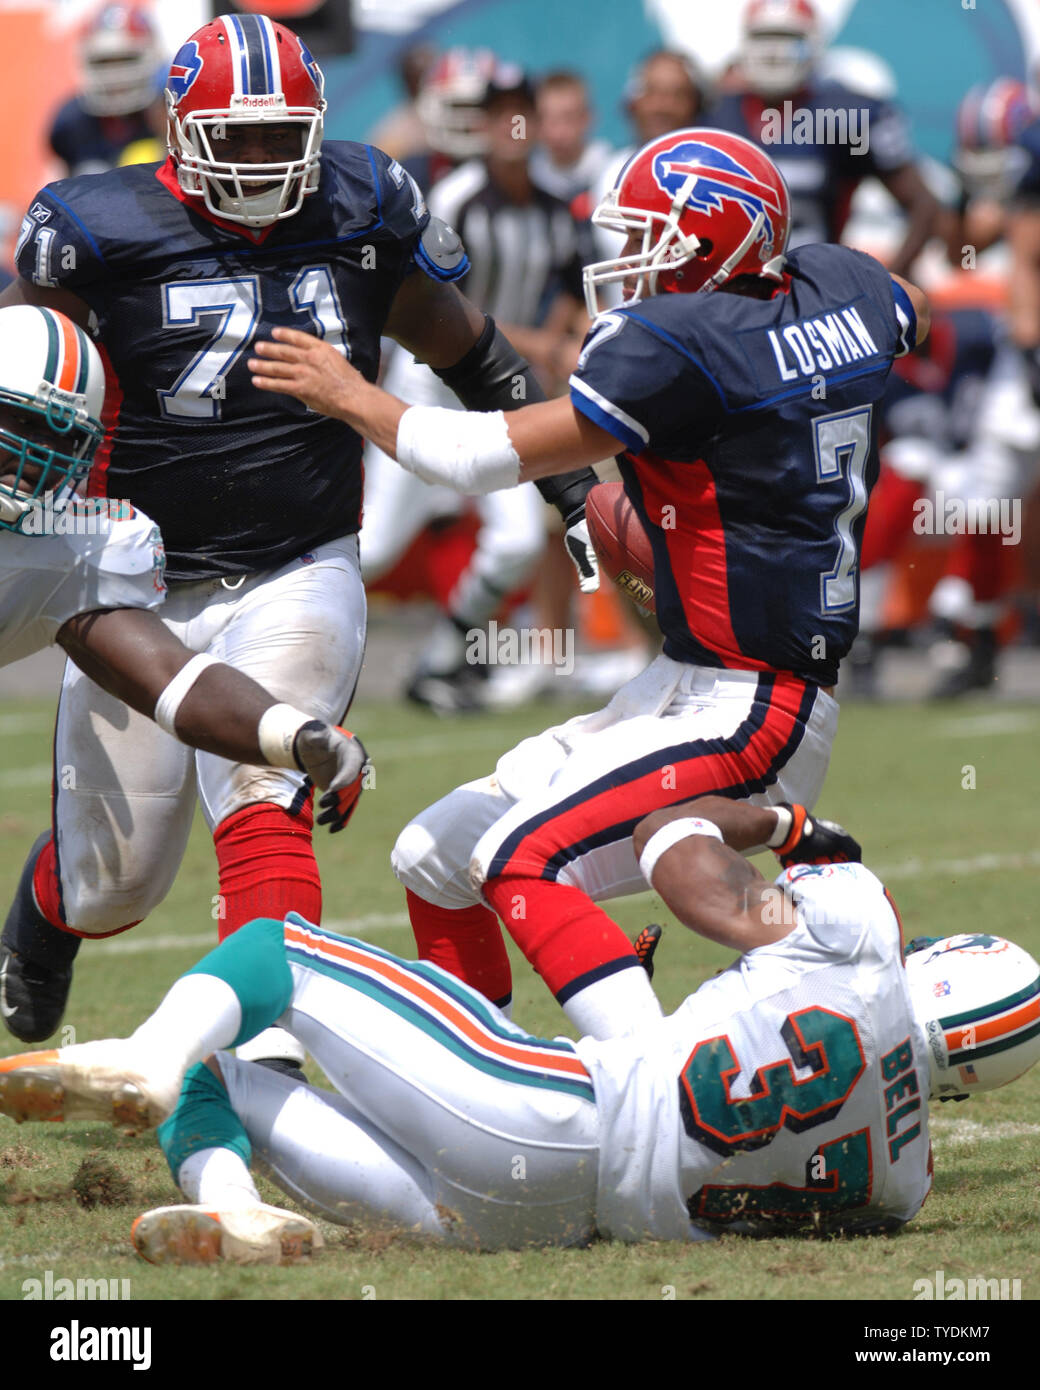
(780, 46)
(244, 70)
(709, 206)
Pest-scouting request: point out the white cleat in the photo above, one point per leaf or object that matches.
(87, 1081)
(251, 1235)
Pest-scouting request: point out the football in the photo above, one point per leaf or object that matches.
(621, 542)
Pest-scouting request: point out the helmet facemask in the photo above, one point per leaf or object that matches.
(41, 466)
(255, 194)
(777, 64)
(672, 249)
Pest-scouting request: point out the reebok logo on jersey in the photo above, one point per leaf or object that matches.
(40, 212)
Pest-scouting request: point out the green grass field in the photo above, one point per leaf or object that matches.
(955, 857)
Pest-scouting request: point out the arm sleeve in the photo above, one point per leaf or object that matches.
(55, 249)
(647, 391)
(407, 218)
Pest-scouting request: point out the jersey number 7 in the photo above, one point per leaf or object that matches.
(199, 391)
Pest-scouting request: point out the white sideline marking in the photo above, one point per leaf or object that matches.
(38, 775)
(955, 1133)
(939, 868)
(128, 945)
(981, 725)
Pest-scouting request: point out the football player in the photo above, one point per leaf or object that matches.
(778, 61)
(251, 222)
(121, 88)
(86, 575)
(744, 425)
(790, 1091)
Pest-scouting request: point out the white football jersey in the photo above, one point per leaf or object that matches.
(791, 1087)
(88, 559)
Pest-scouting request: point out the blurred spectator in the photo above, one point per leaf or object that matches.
(565, 162)
(824, 137)
(402, 133)
(665, 92)
(120, 99)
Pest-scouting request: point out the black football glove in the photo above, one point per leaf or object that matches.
(335, 761)
(645, 944)
(814, 841)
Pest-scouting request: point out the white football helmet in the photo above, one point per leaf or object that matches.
(121, 58)
(780, 46)
(449, 102)
(977, 997)
(52, 387)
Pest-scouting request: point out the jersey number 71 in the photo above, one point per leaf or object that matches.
(199, 391)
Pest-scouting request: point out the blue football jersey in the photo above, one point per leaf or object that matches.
(239, 480)
(824, 141)
(750, 441)
(88, 144)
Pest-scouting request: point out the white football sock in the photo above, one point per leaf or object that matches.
(218, 1179)
(200, 1015)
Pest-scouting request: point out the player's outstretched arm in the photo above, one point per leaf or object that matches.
(473, 452)
(211, 706)
(690, 855)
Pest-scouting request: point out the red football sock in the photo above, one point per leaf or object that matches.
(465, 941)
(568, 939)
(267, 866)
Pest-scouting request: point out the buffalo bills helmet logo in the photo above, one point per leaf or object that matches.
(184, 69)
(317, 76)
(720, 179)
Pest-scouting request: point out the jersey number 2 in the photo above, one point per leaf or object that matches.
(199, 390)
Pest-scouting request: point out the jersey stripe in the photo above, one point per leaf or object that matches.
(97, 479)
(272, 67)
(441, 1009)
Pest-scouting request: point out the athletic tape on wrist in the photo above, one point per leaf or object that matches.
(784, 821)
(670, 835)
(276, 734)
(468, 451)
(171, 699)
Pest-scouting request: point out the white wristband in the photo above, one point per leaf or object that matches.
(171, 699)
(276, 734)
(784, 821)
(670, 835)
(469, 451)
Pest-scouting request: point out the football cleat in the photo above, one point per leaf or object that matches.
(646, 944)
(254, 1235)
(87, 1081)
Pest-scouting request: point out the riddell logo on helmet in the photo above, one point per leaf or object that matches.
(263, 101)
(719, 179)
